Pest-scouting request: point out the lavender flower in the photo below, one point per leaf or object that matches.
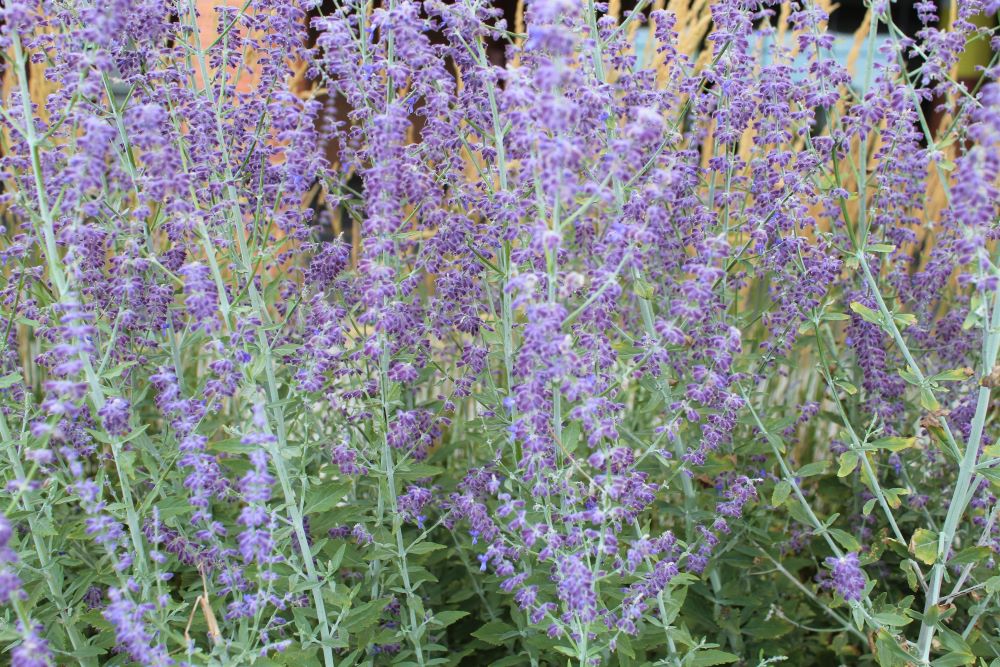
(846, 577)
(33, 651)
(131, 631)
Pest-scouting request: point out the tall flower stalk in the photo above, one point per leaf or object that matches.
(418, 332)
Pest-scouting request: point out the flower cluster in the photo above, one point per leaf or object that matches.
(414, 331)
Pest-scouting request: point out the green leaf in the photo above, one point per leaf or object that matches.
(116, 371)
(495, 632)
(866, 313)
(625, 646)
(565, 650)
(927, 400)
(42, 527)
(781, 492)
(894, 443)
(642, 289)
(835, 317)
(867, 509)
(954, 659)
(812, 469)
(881, 247)
(892, 496)
(446, 618)
(772, 628)
(848, 462)
(992, 474)
(858, 615)
(970, 555)
(992, 585)
(951, 640)
(956, 375)
(893, 619)
(889, 652)
(849, 387)
(571, 436)
(712, 657)
(9, 380)
(904, 319)
(846, 539)
(909, 568)
(799, 514)
(89, 652)
(924, 545)
(365, 615)
(338, 556)
(424, 547)
(325, 497)
(417, 471)
(104, 437)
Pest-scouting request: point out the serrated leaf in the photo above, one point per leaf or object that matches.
(116, 371)
(970, 555)
(495, 632)
(771, 628)
(365, 615)
(446, 618)
(711, 657)
(325, 497)
(924, 545)
(625, 646)
(781, 492)
(42, 527)
(424, 547)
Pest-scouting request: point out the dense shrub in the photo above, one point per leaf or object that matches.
(674, 354)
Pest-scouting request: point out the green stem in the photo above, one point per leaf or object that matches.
(63, 290)
(42, 550)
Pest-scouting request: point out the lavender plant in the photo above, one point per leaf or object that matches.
(664, 351)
